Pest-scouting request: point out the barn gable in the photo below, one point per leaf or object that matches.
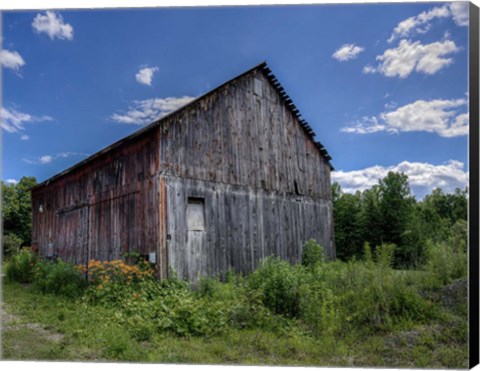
(262, 68)
(223, 182)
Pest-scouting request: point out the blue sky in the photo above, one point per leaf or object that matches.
(384, 86)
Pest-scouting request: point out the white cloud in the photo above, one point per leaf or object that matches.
(24, 137)
(408, 57)
(12, 121)
(437, 116)
(11, 59)
(53, 25)
(419, 23)
(459, 10)
(422, 177)
(148, 110)
(11, 181)
(390, 105)
(46, 159)
(367, 125)
(145, 75)
(347, 52)
(369, 69)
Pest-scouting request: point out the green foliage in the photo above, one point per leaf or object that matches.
(20, 267)
(313, 253)
(59, 278)
(133, 257)
(279, 285)
(396, 207)
(458, 238)
(412, 252)
(317, 299)
(367, 253)
(448, 207)
(16, 208)
(382, 214)
(371, 222)
(155, 308)
(11, 244)
(325, 307)
(347, 217)
(342, 298)
(91, 332)
(385, 255)
(387, 213)
(444, 263)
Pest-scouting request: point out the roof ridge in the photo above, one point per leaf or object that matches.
(270, 76)
(296, 112)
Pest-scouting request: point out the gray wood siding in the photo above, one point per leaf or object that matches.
(243, 226)
(266, 186)
(234, 136)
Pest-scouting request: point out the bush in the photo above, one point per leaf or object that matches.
(59, 278)
(375, 297)
(116, 271)
(279, 284)
(20, 267)
(319, 307)
(339, 298)
(444, 263)
(312, 253)
(114, 281)
(11, 244)
(385, 254)
(175, 309)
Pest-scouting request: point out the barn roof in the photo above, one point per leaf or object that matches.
(269, 75)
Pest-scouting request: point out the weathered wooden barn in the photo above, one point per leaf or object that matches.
(221, 183)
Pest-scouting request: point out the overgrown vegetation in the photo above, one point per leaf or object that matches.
(21, 266)
(332, 304)
(395, 298)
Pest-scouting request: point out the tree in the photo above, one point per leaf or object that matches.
(397, 212)
(346, 214)
(371, 217)
(433, 211)
(17, 209)
(387, 213)
(459, 205)
(395, 205)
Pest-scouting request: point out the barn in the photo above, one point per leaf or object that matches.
(221, 183)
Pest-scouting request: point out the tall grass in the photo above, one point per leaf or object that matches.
(318, 298)
(20, 267)
(445, 263)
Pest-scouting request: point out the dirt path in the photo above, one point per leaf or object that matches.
(25, 340)
(12, 322)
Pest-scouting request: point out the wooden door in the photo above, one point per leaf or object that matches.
(196, 257)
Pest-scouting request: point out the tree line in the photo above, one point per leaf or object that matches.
(389, 213)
